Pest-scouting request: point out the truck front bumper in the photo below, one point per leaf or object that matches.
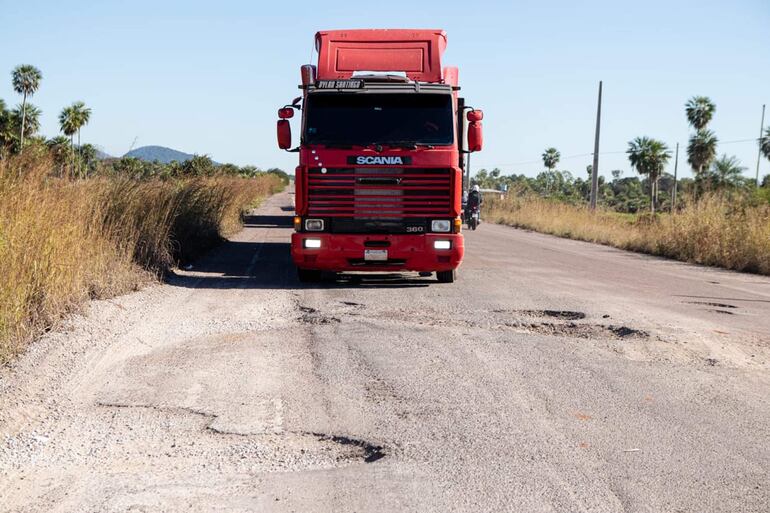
(339, 252)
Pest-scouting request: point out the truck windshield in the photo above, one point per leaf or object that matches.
(369, 118)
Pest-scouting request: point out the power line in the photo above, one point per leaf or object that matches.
(580, 155)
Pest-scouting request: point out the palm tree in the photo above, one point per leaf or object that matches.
(764, 143)
(701, 150)
(727, 172)
(6, 128)
(88, 158)
(551, 157)
(649, 156)
(82, 117)
(60, 149)
(69, 126)
(27, 115)
(26, 81)
(700, 110)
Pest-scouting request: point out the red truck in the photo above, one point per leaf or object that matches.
(382, 155)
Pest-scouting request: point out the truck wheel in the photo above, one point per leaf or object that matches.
(308, 275)
(446, 276)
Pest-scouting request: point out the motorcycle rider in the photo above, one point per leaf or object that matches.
(475, 199)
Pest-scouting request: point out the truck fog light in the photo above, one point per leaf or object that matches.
(312, 243)
(314, 225)
(440, 225)
(442, 244)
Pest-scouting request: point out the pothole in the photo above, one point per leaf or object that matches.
(566, 315)
(313, 316)
(708, 303)
(575, 330)
(371, 454)
(144, 432)
(320, 319)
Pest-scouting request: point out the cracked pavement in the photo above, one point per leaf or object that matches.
(553, 376)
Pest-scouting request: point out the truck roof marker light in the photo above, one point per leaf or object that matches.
(308, 74)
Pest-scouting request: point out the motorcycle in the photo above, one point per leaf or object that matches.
(472, 217)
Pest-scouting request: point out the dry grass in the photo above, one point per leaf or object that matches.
(62, 242)
(713, 231)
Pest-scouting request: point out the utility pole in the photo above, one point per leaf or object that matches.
(676, 167)
(759, 142)
(595, 167)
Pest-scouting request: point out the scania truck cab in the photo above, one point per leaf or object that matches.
(383, 146)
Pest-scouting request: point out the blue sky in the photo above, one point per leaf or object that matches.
(207, 77)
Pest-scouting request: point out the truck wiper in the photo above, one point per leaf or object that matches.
(409, 145)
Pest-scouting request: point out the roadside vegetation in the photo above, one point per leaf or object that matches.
(73, 227)
(719, 217)
(711, 231)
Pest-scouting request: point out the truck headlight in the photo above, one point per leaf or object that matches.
(442, 244)
(312, 243)
(314, 225)
(440, 225)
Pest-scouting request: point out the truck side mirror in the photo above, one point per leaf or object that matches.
(475, 115)
(284, 134)
(286, 113)
(475, 133)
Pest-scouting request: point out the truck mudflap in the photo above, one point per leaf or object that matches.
(377, 253)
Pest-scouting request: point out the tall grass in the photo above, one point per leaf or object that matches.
(64, 242)
(713, 231)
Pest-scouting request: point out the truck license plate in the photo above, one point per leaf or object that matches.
(376, 255)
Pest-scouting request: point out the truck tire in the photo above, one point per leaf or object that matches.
(308, 275)
(446, 276)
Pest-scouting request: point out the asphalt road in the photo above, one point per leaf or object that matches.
(554, 376)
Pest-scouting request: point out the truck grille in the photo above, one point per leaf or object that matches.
(379, 192)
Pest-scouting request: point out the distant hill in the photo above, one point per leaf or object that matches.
(159, 153)
(100, 155)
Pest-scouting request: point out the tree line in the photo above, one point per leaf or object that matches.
(648, 157)
(19, 127)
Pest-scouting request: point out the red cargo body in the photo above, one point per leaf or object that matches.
(415, 52)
